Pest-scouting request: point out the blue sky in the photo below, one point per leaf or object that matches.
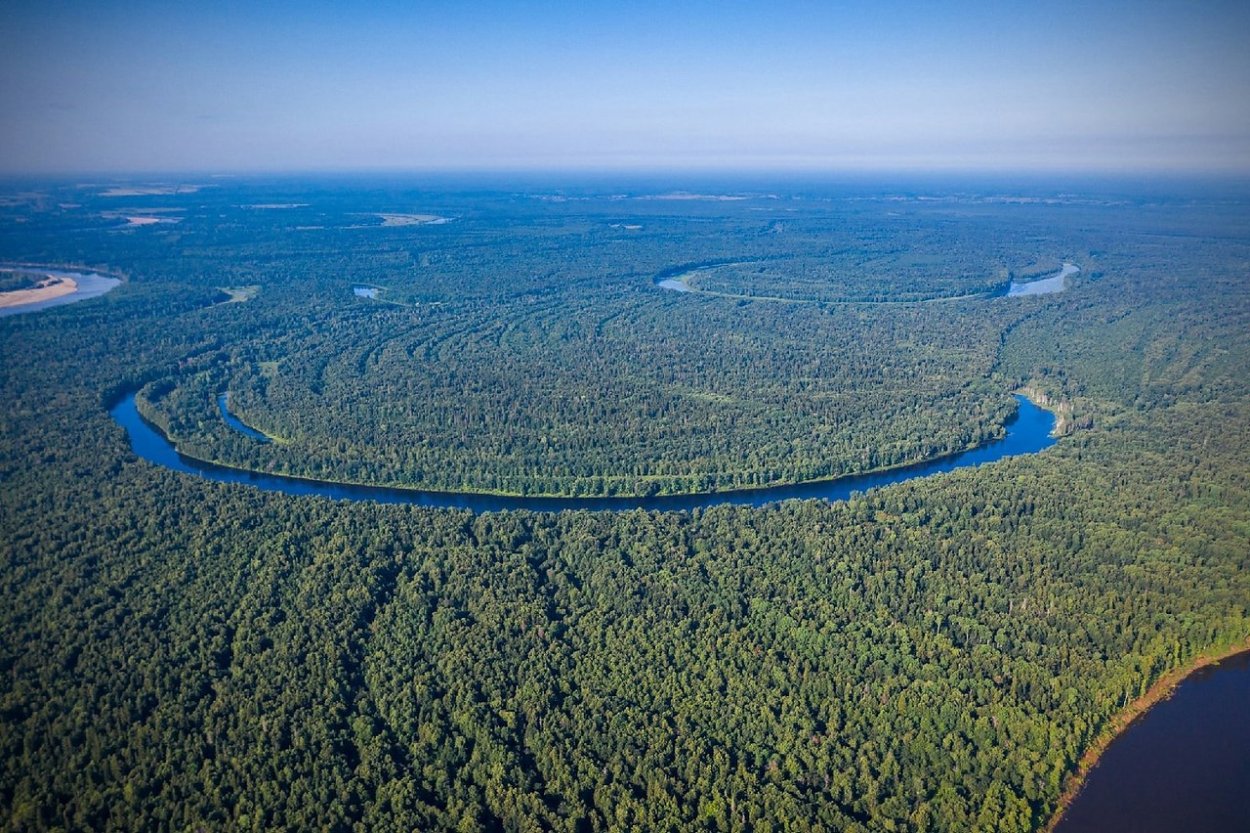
(1104, 86)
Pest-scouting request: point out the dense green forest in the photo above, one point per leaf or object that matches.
(180, 654)
(526, 349)
(15, 279)
(612, 395)
(523, 347)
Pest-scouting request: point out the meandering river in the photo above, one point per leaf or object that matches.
(223, 407)
(1028, 433)
(675, 279)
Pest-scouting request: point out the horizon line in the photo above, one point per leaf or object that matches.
(857, 172)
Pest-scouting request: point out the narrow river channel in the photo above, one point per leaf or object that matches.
(1028, 433)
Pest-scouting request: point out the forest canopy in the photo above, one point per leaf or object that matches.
(182, 654)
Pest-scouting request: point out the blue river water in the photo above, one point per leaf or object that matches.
(223, 406)
(1027, 433)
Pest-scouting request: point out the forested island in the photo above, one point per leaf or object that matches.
(937, 655)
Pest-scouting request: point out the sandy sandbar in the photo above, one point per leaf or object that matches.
(49, 288)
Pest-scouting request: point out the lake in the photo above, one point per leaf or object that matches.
(1028, 433)
(1183, 765)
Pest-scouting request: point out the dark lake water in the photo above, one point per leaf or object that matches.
(1027, 433)
(1183, 766)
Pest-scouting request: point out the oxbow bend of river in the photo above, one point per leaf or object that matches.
(675, 279)
(1028, 432)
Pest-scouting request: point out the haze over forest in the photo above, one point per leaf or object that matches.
(1142, 86)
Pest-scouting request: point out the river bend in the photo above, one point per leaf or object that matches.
(1027, 433)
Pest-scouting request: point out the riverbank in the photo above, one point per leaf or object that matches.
(1065, 423)
(53, 286)
(1157, 693)
(1027, 433)
(56, 288)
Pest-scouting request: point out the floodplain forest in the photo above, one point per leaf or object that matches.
(181, 654)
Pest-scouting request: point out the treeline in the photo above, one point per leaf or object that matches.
(11, 280)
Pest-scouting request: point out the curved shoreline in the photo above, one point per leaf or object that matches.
(676, 279)
(1161, 690)
(223, 406)
(1048, 285)
(85, 285)
(50, 287)
(1028, 432)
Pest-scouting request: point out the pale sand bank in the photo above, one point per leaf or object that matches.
(49, 288)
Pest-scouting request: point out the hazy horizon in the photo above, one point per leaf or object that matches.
(110, 88)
